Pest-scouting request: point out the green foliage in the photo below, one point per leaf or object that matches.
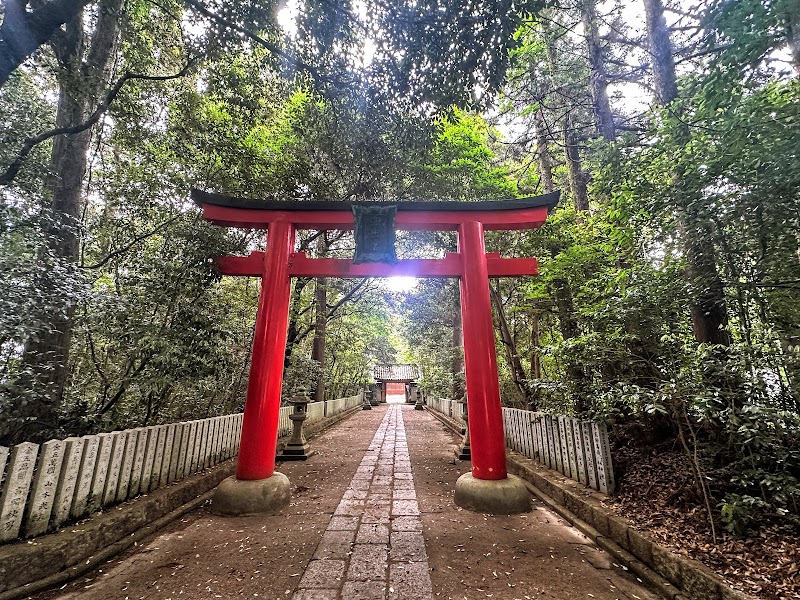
(299, 373)
(747, 31)
(766, 467)
(462, 165)
(429, 315)
(426, 55)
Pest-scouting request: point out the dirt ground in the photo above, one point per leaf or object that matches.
(534, 555)
(657, 493)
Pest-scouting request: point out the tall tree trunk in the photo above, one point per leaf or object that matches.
(793, 33)
(663, 64)
(82, 80)
(563, 291)
(543, 154)
(545, 163)
(23, 31)
(293, 330)
(708, 307)
(536, 360)
(598, 79)
(518, 374)
(320, 326)
(568, 327)
(577, 176)
(457, 356)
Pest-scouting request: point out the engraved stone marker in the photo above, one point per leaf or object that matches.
(43, 490)
(65, 491)
(562, 438)
(84, 486)
(588, 446)
(216, 442)
(101, 468)
(182, 447)
(202, 444)
(169, 460)
(580, 452)
(15, 491)
(149, 457)
(117, 453)
(602, 452)
(158, 459)
(191, 450)
(127, 464)
(138, 462)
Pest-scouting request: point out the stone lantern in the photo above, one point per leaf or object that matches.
(367, 400)
(419, 405)
(297, 446)
(464, 452)
(375, 396)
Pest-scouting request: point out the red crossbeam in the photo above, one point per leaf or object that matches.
(301, 265)
(525, 218)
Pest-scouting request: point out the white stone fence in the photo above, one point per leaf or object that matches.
(45, 486)
(451, 408)
(575, 448)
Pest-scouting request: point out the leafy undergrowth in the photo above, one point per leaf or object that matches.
(659, 495)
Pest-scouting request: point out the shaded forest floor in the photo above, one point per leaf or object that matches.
(658, 493)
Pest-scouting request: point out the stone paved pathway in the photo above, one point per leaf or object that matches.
(373, 547)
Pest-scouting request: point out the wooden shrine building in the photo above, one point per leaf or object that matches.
(404, 376)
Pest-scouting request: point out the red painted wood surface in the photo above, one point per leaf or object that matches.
(262, 408)
(449, 266)
(396, 388)
(480, 358)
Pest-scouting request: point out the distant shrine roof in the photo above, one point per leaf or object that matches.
(396, 372)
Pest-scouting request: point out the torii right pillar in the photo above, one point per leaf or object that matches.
(488, 488)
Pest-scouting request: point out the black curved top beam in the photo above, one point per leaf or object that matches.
(549, 200)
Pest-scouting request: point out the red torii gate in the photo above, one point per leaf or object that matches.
(256, 486)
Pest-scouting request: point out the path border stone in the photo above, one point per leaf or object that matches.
(31, 566)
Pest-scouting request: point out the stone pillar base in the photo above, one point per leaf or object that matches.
(494, 496)
(238, 497)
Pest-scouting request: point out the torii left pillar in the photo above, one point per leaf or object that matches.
(257, 487)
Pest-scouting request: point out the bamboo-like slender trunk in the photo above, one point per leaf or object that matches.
(320, 323)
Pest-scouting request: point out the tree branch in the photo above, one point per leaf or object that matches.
(13, 169)
(291, 59)
(132, 243)
(332, 309)
(23, 32)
